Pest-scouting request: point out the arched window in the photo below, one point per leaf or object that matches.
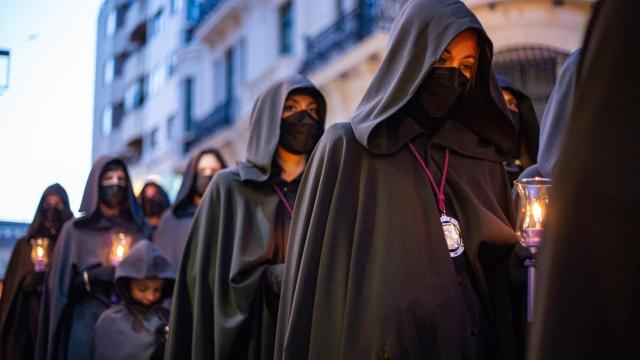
(533, 68)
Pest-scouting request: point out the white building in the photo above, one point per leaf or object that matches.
(174, 76)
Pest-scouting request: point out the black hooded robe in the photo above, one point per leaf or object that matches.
(227, 284)
(174, 225)
(528, 130)
(368, 273)
(117, 334)
(142, 201)
(67, 323)
(588, 292)
(20, 302)
(554, 120)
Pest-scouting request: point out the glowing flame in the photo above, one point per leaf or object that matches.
(40, 252)
(537, 213)
(120, 251)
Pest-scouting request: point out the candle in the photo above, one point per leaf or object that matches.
(119, 247)
(533, 234)
(39, 254)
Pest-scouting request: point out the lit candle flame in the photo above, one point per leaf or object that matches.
(537, 214)
(39, 252)
(120, 251)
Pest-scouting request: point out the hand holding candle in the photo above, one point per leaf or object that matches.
(120, 244)
(39, 254)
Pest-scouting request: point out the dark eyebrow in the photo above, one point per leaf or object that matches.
(292, 99)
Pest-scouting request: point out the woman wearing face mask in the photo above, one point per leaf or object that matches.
(80, 283)
(175, 223)
(403, 227)
(226, 300)
(526, 123)
(20, 302)
(153, 201)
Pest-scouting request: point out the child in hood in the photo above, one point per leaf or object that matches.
(136, 328)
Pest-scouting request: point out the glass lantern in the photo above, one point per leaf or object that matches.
(40, 254)
(120, 243)
(533, 199)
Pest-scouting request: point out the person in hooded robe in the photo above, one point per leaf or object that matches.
(24, 281)
(526, 123)
(554, 120)
(79, 286)
(153, 201)
(136, 327)
(174, 225)
(587, 290)
(226, 297)
(403, 227)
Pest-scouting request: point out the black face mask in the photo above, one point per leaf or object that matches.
(299, 133)
(53, 214)
(202, 181)
(152, 207)
(113, 195)
(440, 90)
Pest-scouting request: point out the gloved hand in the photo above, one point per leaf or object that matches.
(96, 274)
(102, 273)
(275, 275)
(33, 282)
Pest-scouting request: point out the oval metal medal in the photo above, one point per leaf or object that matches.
(452, 234)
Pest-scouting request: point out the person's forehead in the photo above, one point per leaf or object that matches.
(301, 98)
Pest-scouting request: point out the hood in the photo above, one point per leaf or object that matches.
(556, 115)
(90, 200)
(144, 261)
(185, 193)
(38, 219)
(265, 125)
(163, 195)
(529, 128)
(421, 32)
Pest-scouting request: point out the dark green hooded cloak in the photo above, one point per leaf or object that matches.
(22, 293)
(68, 316)
(228, 277)
(368, 273)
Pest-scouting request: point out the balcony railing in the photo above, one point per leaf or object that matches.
(218, 119)
(350, 29)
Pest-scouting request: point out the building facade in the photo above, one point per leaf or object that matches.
(175, 76)
(10, 232)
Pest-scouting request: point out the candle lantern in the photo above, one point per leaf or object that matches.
(120, 243)
(40, 254)
(533, 198)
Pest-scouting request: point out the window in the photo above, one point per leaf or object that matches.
(219, 82)
(157, 79)
(171, 121)
(152, 139)
(187, 103)
(339, 7)
(109, 71)
(175, 6)
(171, 64)
(134, 95)
(157, 24)
(110, 24)
(107, 119)
(286, 29)
(118, 113)
(532, 68)
(121, 13)
(119, 64)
